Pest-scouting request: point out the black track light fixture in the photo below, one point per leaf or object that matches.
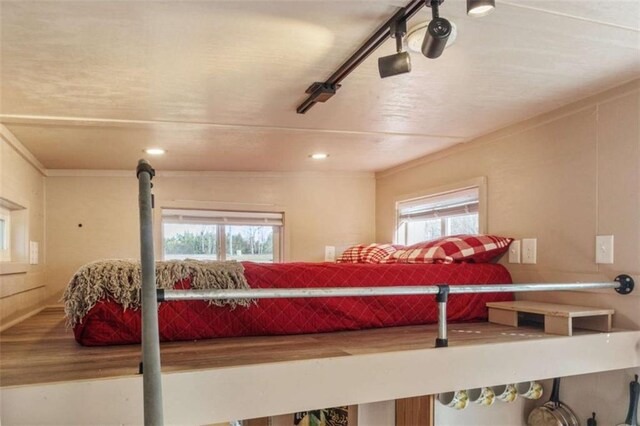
(478, 8)
(400, 62)
(438, 32)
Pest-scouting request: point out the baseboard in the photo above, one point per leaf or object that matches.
(19, 317)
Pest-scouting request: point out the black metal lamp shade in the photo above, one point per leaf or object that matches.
(435, 40)
(395, 64)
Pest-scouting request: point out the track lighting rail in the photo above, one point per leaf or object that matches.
(435, 40)
(323, 91)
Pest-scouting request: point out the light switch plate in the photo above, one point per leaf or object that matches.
(514, 252)
(329, 253)
(33, 253)
(604, 249)
(529, 250)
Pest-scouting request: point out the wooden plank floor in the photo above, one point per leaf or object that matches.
(42, 350)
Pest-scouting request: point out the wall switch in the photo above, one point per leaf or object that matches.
(329, 253)
(529, 250)
(514, 252)
(604, 249)
(33, 253)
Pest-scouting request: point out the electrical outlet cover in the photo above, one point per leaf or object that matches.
(33, 252)
(529, 250)
(604, 249)
(514, 252)
(329, 253)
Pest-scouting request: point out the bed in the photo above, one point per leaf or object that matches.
(110, 323)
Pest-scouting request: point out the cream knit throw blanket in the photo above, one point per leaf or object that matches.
(120, 280)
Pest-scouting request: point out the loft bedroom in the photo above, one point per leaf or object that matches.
(512, 131)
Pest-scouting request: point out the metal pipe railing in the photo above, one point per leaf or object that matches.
(280, 293)
(152, 379)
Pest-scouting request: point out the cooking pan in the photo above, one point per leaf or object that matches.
(553, 412)
(632, 414)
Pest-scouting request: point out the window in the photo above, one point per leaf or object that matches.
(439, 215)
(5, 235)
(222, 235)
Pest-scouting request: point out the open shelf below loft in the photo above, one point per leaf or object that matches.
(232, 378)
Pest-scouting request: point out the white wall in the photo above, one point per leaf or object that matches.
(320, 209)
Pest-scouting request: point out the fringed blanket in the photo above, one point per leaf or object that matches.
(120, 281)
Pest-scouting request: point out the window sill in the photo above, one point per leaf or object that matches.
(7, 268)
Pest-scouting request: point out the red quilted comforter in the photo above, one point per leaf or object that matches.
(107, 323)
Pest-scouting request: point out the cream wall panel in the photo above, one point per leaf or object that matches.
(320, 209)
(20, 282)
(619, 180)
(107, 210)
(22, 183)
(541, 183)
(20, 304)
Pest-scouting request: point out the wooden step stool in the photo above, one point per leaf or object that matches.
(558, 319)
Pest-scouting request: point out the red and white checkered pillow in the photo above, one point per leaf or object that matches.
(456, 248)
(373, 253)
(376, 253)
(351, 255)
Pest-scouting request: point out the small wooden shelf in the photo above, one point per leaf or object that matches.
(558, 319)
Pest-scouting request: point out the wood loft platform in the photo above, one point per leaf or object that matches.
(39, 359)
(42, 350)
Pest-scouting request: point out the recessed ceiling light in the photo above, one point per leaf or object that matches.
(155, 151)
(319, 156)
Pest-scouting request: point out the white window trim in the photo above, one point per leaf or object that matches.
(5, 254)
(479, 182)
(278, 229)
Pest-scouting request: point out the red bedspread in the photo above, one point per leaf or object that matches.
(108, 324)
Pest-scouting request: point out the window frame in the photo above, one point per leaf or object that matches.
(479, 182)
(221, 231)
(5, 254)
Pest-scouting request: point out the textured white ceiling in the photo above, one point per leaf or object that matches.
(89, 84)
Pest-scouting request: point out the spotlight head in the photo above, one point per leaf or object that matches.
(391, 65)
(478, 8)
(435, 40)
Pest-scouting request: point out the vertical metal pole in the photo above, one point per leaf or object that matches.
(441, 298)
(151, 376)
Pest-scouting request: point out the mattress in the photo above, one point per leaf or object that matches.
(108, 323)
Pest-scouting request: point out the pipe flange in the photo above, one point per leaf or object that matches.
(144, 166)
(626, 284)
